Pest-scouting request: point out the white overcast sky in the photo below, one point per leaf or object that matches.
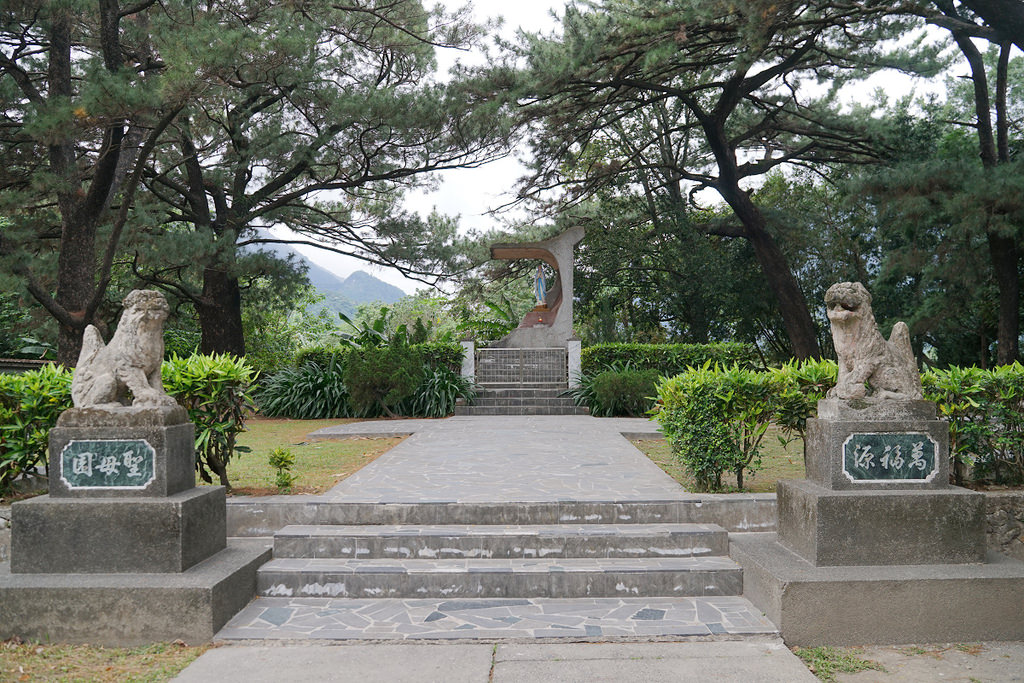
(471, 193)
(467, 193)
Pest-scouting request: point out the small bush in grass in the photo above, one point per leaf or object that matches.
(282, 460)
(214, 390)
(30, 404)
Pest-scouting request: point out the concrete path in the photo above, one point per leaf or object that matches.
(748, 661)
(506, 459)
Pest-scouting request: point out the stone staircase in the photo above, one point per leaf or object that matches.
(523, 560)
(522, 382)
(522, 399)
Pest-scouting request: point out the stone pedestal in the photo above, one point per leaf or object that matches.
(124, 510)
(870, 545)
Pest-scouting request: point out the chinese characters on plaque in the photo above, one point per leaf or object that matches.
(108, 463)
(890, 456)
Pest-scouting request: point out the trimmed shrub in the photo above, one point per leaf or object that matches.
(381, 378)
(666, 359)
(214, 391)
(30, 404)
(715, 419)
(309, 392)
(985, 409)
(620, 390)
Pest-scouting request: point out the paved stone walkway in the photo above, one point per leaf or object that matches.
(506, 459)
(467, 619)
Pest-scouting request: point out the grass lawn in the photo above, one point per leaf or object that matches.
(34, 662)
(777, 462)
(318, 464)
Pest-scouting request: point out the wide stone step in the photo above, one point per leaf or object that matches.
(486, 401)
(521, 410)
(477, 578)
(502, 541)
(262, 516)
(519, 392)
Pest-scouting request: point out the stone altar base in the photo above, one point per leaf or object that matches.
(875, 546)
(837, 528)
(132, 609)
(870, 605)
(125, 550)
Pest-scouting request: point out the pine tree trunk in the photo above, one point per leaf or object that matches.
(796, 317)
(220, 314)
(1003, 251)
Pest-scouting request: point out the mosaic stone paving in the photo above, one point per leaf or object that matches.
(395, 619)
(504, 459)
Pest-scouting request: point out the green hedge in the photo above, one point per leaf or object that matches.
(666, 359)
(214, 389)
(30, 404)
(419, 380)
(985, 410)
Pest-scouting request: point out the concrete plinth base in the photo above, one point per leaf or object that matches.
(828, 527)
(124, 610)
(881, 604)
(108, 535)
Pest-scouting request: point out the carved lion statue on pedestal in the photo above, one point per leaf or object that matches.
(888, 367)
(129, 363)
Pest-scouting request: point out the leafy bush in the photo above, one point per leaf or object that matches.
(438, 392)
(715, 418)
(382, 377)
(666, 359)
(30, 404)
(621, 390)
(322, 356)
(214, 391)
(309, 392)
(801, 385)
(985, 409)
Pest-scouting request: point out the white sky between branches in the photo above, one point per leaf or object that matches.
(472, 193)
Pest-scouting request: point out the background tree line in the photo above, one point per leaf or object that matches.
(723, 156)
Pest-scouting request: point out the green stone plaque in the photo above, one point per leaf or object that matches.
(108, 464)
(890, 456)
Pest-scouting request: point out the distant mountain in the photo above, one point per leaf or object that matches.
(340, 294)
(361, 287)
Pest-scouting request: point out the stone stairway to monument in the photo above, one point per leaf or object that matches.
(523, 560)
(512, 381)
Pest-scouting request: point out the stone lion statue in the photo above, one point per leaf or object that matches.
(105, 374)
(888, 367)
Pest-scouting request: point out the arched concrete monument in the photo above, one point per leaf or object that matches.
(548, 325)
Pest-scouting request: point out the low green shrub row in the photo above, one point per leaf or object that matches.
(666, 359)
(419, 380)
(714, 417)
(214, 390)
